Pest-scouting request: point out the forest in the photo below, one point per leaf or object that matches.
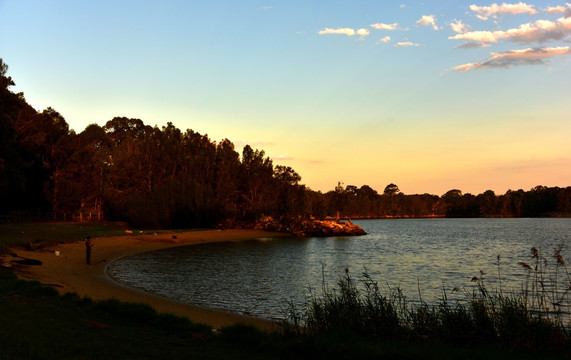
(162, 178)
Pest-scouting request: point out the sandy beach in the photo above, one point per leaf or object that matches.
(64, 268)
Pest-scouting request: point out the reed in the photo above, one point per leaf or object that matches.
(535, 317)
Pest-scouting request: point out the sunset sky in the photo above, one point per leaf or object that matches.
(431, 96)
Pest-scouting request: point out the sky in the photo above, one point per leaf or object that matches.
(429, 95)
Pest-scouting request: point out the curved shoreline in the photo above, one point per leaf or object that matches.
(69, 273)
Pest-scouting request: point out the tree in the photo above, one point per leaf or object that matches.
(290, 195)
(90, 164)
(256, 177)
(5, 80)
(391, 190)
(226, 186)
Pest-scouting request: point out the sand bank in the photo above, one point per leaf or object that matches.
(68, 272)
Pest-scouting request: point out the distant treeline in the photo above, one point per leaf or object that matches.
(164, 178)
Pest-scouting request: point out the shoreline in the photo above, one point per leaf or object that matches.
(68, 272)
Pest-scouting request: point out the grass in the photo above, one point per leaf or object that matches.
(19, 234)
(16, 234)
(534, 320)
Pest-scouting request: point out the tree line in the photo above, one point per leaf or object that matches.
(165, 178)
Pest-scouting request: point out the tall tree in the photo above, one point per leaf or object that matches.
(256, 177)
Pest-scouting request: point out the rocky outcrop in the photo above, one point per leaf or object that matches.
(323, 228)
(313, 228)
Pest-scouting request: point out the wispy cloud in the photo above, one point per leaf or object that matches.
(428, 20)
(538, 31)
(534, 165)
(381, 26)
(385, 40)
(282, 158)
(484, 12)
(472, 45)
(345, 31)
(510, 58)
(406, 43)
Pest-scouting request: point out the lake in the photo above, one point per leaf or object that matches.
(258, 277)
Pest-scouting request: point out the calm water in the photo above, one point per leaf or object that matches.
(257, 277)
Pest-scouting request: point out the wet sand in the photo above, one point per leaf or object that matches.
(68, 272)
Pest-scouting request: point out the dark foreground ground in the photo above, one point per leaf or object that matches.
(37, 323)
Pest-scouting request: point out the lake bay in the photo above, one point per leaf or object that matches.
(257, 277)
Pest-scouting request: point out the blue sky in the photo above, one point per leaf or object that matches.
(432, 95)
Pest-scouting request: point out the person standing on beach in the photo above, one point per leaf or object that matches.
(88, 246)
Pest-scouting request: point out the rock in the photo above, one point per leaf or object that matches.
(323, 228)
(313, 228)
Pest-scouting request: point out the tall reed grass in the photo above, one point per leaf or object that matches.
(534, 317)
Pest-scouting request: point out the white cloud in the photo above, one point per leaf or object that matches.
(406, 44)
(507, 59)
(559, 9)
(428, 20)
(362, 32)
(385, 40)
(341, 31)
(345, 31)
(381, 26)
(539, 31)
(486, 36)
(459, 27)
(484, 12)
(402, 6)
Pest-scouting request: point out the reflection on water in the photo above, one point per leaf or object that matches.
(257, 277)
